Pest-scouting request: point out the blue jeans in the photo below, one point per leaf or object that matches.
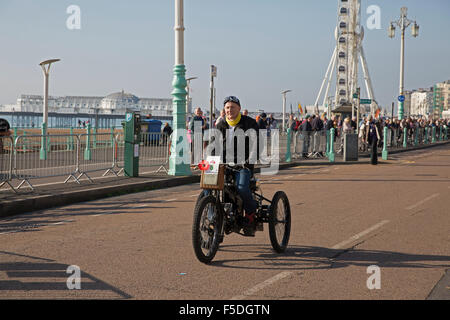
(243, 186)
(242, 179)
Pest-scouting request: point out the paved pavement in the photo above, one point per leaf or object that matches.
(354, 227)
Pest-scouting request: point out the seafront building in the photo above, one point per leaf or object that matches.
(70, 111)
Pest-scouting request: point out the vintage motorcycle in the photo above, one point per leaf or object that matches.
(219, 212)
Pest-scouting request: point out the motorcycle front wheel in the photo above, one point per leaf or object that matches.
(206, 229)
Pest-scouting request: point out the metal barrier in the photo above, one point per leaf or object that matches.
(6, 161)
(60, 158)
(154, 151)
(95, 153)
(119, 153)
(311, 144)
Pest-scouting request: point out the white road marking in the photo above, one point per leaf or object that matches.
(170, 200)
(285, 274)
(344, 243)
(422, 201)
(262, 285)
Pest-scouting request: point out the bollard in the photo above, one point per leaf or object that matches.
(446, 133)
(405, 137)
(331, 153)
(327, 150)
(416, 137)
(87, 151)
(384, 154)
(440, 133)
(43, 151)
(433, 135)
(425, 138)
(288, 147)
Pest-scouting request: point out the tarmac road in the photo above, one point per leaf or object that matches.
(344, 219)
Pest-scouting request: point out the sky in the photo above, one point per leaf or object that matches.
(260, 48)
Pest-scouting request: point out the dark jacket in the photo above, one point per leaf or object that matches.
(245, 124)
(317, 124)
(329, 124)
(192, 123)
(306, 126)
(262, 124)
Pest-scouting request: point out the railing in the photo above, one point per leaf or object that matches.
(154, 151)
(72, 156)
(6, 161)
(319, 144)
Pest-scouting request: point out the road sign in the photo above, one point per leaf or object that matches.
(365, 101)
(355, 95)
(401, 98)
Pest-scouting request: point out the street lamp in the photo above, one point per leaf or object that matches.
(211, 101)
(45, 65)
(403, 23)
(179, 161)
(188, 102)
(284, 107)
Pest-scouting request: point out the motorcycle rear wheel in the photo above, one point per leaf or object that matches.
(279, 222)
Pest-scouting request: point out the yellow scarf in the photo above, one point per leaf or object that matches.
(234, 122)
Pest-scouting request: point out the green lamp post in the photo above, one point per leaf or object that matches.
(179, 161)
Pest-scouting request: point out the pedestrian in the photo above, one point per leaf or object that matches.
(372, 137)
(198, 117)
(262, 122)
(354, 127)
(272, 122)
(167, 131)
(4, 132)
(362, 136)
(317, 128)
(221, 117)
(306, 129)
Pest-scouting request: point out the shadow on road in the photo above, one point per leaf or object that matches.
(315, 258)
(25, 274)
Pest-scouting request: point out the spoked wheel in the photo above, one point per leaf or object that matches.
(206, 229)
(279, 222)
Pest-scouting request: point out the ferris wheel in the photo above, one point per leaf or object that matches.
(349, 35)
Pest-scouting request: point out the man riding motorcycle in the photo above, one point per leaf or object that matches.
(234, 120)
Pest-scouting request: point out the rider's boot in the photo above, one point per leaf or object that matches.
(249, 225)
